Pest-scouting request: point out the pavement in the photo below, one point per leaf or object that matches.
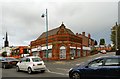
(71, 61)
(79, 59)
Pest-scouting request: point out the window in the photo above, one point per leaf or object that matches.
(36, 59)
(23, 60)
(27, 60)
(11, 59)
(112, 62)
(96, 63)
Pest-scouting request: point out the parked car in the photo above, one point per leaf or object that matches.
(99, 68)
(103, 51)
(0, 61)
(31, 64)
(1, 58)
(8, 62)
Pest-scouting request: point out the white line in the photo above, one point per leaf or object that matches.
(59, 73)
(48, 70)
(63, 69)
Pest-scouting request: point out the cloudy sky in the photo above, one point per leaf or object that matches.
(22, 18)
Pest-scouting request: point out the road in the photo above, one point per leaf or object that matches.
(62, 67)
(55, 69)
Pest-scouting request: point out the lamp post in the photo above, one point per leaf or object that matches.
(46, 15)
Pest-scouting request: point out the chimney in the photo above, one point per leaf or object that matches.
(89, 36)
(116, 24)
(77, 34)
(83, 33)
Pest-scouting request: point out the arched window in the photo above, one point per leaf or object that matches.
(62, 52)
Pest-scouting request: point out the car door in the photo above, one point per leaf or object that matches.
(22, 64)
(94, 69)
(112, 68)
(27, 63)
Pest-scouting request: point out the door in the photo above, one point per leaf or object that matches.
(62, 54)
(27, 63)
(94, 69)
(22, 64)
(112, 67)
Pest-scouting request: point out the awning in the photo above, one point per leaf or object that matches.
(78, 48)
(72, 47)
(34, 49)
(75, 47)
(45, 47)
(86, 48)
(41, 48)
(62, 47)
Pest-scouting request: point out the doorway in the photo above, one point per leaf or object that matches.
(62, 52)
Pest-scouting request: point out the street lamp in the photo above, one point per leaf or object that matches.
(116, 35)
(46, 15)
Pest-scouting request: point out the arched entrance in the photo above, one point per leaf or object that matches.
(62, 54)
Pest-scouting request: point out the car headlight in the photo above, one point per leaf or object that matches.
(70, 69)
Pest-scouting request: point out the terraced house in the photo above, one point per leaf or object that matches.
(63, 44)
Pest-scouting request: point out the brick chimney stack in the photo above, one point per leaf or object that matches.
(89, 36)
(77, 34)
(83, 33)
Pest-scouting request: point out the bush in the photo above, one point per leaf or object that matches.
(4, 54)
(93, 51)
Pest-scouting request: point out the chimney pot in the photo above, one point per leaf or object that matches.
(83, 33)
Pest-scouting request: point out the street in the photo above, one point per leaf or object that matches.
(54, 69)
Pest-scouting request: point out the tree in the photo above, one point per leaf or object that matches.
(4, 54)
(113, 35)
(95, 42)
(26, 51)
(102, 41)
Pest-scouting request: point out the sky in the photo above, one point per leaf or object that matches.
(21, 19)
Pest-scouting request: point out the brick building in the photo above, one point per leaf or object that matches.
(63, 44)
(18, 51)
(87, 43)
(107, 48)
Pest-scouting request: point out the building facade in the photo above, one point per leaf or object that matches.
(63, 44)
(87, 43)
(20, 51)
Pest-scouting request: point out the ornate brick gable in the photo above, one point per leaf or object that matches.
(60, 30)
(64, 30)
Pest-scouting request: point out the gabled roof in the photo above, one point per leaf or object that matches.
(55, 31)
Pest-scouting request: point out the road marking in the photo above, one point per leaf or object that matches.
(48, 70)
(63, 69)
(59, 73)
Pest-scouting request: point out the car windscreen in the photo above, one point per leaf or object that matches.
(36, 59)
(11, 59)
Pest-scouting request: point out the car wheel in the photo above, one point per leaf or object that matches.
(29, 70)
(75, 75)
(17, 69)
